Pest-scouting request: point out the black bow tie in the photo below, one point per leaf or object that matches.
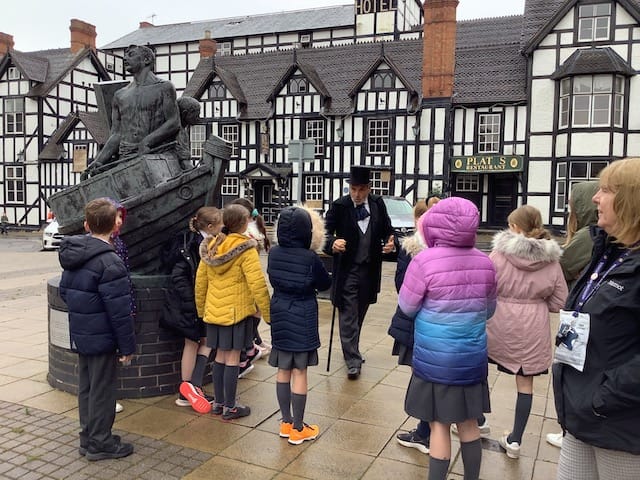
(361, 212)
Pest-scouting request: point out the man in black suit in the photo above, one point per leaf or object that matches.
(358, 233)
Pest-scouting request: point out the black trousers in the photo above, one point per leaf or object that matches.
(97, 399)
(355, 303)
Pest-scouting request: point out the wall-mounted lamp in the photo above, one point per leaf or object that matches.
(382, 101)
(340, 132)
(20, 156)
(415, 129)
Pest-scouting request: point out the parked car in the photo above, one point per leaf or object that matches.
(51, 238)
(401, 214)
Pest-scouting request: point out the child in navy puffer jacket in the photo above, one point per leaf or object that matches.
(296, 273)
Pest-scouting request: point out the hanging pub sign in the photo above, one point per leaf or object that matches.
(374, 6)
(487, 164)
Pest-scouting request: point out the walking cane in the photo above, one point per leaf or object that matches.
(333, 315)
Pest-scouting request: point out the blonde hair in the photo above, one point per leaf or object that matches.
(234, 217)
(622, 177)
(432, 200)
(204, 217)
(529, 220)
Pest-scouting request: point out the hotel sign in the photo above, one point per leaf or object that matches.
(487, 164)
(374, 6)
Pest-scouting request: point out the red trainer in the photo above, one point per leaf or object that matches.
(196, 397)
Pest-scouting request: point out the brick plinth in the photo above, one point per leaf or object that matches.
(155, 369)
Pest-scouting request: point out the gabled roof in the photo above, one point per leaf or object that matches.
(277, 170)
(592, 61)
(310, 74)
(384, 58)
(541, 16)
(237, 27)
(54, 150)
(32, 67)
(489, 66)
(204, 74)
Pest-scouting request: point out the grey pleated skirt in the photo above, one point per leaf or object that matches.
(431, 402)
(404, 353)
(291, 360)
(231, 337)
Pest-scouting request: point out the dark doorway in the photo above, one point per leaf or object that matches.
(265, 201)
(503, 195)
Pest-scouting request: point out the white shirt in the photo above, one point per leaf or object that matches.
(364, 224)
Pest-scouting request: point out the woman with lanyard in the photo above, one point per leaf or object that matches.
(597, 370)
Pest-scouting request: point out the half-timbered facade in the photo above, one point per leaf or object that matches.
(503, 111)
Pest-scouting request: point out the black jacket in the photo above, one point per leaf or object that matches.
(95, 287)
(181, 261)
(341, 222)
(601, 405)
(295, 272)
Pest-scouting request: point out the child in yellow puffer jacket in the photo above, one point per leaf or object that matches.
(230, 289)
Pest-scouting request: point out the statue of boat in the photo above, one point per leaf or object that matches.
(159, 197)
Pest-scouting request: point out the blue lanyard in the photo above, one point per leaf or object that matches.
(596, 279)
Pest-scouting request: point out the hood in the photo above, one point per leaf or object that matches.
(222, 255)
(77, 250)
(526, 253)
(300, 227)
(414, 244)
(584, 209)
(452, 222)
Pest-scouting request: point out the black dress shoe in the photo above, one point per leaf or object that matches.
(353, 373)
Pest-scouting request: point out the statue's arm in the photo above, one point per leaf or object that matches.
(169, 129)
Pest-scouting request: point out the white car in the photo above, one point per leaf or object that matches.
(50, 237)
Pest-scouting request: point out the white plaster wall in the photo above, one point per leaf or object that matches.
(542, 105)
(590, 144)
(539, 177)
(618, 144)
(633, 149)
(540, 146)
(544, 62)
(561, 145)
(543, 204)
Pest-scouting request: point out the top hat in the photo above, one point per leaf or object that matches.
(359, 175)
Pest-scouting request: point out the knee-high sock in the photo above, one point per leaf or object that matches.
(523, 408)
(230, 385)
(298, 404)
(438, 468)
(198, 371)
(283, 392)
(218, 381)
(471, 459)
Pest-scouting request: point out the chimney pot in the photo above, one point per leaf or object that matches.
(146, 25)
(6, 43)
(83, 35)
(207, 46)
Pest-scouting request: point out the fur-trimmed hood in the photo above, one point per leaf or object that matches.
(526, 253)
(301, 227)
(413, 244)
(230, 248)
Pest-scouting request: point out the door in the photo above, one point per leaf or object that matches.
(265, 201)
(503, 196)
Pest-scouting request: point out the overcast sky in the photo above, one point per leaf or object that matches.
(44, 24)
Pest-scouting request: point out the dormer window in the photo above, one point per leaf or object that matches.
(217, 90)
(13, 73)
(594, 22)
(592, 101)
(382, 81)
(298, 85)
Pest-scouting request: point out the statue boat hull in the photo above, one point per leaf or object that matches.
(160, 198)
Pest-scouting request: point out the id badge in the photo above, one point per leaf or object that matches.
(572, 338)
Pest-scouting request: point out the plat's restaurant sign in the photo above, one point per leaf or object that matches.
(487, 164)
(374, 6)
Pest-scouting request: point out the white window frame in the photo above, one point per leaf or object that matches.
(217, 90)
(594, 100)
(489, 127)
(594, 22)
(13, 116)
(383, 80)
(197, 137)
(230, 133)
(468, 182)
(379, 136)
(230, 186)
(14, 184)
(313, 187)
(380, 182)
(315, 130)
(225, 49)
(298, 85)
(570, 173)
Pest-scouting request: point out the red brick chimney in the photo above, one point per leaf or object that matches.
(6, 43)
(439, 48)
(83, 35)
(208, 46)
(145, 24)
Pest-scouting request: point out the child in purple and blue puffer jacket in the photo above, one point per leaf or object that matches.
(450, 289)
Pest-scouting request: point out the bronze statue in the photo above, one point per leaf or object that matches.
(189, 115)
(145, 117)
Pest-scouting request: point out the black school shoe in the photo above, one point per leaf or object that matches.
(115, 450)
(82, 450)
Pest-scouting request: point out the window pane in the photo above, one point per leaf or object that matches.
(602, 9)
(582, 84)
(586, 29)
(596, 168)
(565, 87)
(564, 112)
(379, 136)
(581, 110)
(315, 132)
(601, 105)
(617, 114)
(602, 83)
(579, 170)
(562, 170)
